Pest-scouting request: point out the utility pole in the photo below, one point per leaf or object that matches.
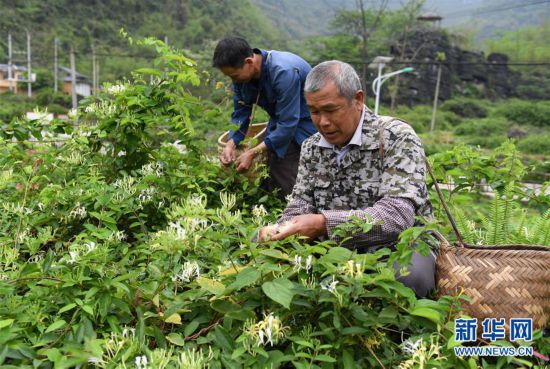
(29, 71)
(10, 72)
(94, 71)
(436, 97)
(440, 58)
(73, 79)
(55, 67)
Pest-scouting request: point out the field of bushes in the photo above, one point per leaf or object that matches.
(127, 246)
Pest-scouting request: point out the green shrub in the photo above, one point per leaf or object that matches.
(57, 109)
(464, 107)
(526, 112)
(420, 117)
(13, 106)
(487, 142)
(482, 127)
(535, 144)
(46, 96)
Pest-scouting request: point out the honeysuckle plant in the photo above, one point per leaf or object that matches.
(129, 247)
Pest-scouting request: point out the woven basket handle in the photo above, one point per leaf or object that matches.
(447, 211)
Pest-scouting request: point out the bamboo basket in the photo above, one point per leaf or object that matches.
(256, 133)
(502, 281)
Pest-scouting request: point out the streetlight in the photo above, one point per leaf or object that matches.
(380, 62)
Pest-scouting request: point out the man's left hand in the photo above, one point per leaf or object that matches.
(309, 225)
(244, 161)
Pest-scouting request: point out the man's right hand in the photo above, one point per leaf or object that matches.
(228, 154)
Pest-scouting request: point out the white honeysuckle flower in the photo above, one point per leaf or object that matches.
(267, 331)
(146, 195)
(36, 258)
(127, 184)
(179, 230)
(189, 271)
(90, 246)
(116, 89)
(259, 211)
(121, 153)
(117, 236)
(73, 113)
(129, 333)
(79, 212)
(73, 256)
(309, 261)
(196, 201)
(297, 263)
(180, 147)
(141, 362)
(409, 347)
(40, 206)
(152, 169)
(329, 285)
(228, 200)
(94, 360)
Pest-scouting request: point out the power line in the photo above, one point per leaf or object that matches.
(488, 11)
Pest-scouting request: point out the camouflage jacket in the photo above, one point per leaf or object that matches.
(364, 178)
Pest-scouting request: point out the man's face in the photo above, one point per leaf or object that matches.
(240, 75)
(335, 117)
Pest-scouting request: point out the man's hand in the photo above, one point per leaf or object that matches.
(244, 161)
(309, 225)
(228, 154)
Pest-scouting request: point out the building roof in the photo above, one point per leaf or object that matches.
(4, 67)
(429, 17)
(68, 71)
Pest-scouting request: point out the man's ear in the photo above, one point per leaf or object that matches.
(249, 60)
(359, 99)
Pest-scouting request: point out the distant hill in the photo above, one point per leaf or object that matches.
(487, 18)
(189, 24)
(299, 19)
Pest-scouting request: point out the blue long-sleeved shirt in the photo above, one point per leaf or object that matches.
(281, 86)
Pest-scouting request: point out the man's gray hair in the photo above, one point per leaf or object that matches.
(342, 74)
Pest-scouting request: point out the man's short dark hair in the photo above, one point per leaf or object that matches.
(231, 52)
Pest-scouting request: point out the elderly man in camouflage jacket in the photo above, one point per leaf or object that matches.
(359, 164)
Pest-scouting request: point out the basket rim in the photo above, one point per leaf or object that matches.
(465, 245)
(221, 143)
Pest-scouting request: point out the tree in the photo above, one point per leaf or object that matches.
(408, 14)
(361, 23)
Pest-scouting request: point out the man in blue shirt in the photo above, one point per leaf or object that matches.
(275, 81)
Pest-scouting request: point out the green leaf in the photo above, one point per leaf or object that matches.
(174, 319)
(427, 313)
(191, 327)
(88, 309)
(211, 285)
(176, 339)
(67, 308)
(223, 338)
(325, 358)
(274, 253)
(56, 325)
(353, 330)
(337, 255)
(347, 358)
(6, 323)
(279, 290)
(246, 277)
